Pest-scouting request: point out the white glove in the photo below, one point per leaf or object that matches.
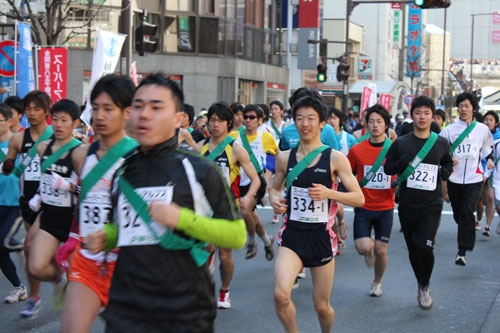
(59, 183)
(35, 203)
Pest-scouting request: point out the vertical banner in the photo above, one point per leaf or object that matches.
(385, 100)
(133, 73)
(373, 94)
(365, 99)
(53, 72)
(104, 61)
(396, 27)
(495, 36)
(25, 75)
(414, 41)
(309, 24)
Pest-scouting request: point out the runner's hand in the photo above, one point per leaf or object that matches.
(65, 251)
(319, 192)
(455, 161)
(35, 203)
(95, 241)
(59, 183)
(490, 164)
(166, 214)
(279, 207)
(245, 203)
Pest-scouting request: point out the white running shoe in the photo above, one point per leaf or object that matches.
(460, 260)
(276, 219)
(478, 225)
(302, 273)
(224, 301)
(376, 290)
(16, 295)
(424, 298)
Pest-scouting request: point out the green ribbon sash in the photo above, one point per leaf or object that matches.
(364, 137)
(275, 129)
(220, 148)
(32, 152)
(462, 136)
(60, 152)
(378, 163)
(246, 145)
(302, 165)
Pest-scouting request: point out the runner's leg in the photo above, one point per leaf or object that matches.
(31, 231)
(322, 279)
(380, 260)
(80, 308)
(41, 259)
(226, 268)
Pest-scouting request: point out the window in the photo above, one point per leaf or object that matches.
(209, 35)
(179, 34)
(180, 5)
(250, 12)
(249, 43)
(230, 39)
(231, 9)
(212, 7)
(240, 40)
(240, 11)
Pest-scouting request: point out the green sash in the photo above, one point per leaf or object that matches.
(462, 136)
(57, 155)
(169, 241)
(2, 156)
(108, 160)
(426, 148)
(246, 145)
(190, 129)
(378, 163)
(302, 165)
(32, 152)
(275, 129)
(220, 148)
(364, 137)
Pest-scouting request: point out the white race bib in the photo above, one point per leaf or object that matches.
(94, 211)
(467, 149)
(51, 196)
(133, 230)
(225, 172)
(304, 209)
(380, 181)
(424, 177)
(32, 171)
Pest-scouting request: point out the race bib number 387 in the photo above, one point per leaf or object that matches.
(304, 209)
(424, 177)
(94, 211)
(133, 230)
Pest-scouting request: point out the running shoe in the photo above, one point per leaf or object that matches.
(344, 232)
(32, 308)
(16, 295)
(269, 249)
(295, 284)
(58, 294)
(224, 301)
(302, 273)
(251, 250)
(478, 225)
(376, 290)
(460, 260)
(424, 298)
(276, 219)
(486, 231)
(370, 258)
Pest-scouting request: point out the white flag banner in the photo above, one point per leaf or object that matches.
(373, 96)
(106, 56)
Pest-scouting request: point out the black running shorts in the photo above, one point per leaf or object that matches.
(381, 221)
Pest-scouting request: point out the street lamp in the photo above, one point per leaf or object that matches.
(472, 37)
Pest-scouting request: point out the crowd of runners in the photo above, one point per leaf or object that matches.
(131, 216)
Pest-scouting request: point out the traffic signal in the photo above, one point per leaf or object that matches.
(321, 76)
(342, 72)
(144, 42)
(432, 3)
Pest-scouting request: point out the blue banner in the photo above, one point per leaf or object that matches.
(25, 74)
(284, 15)
(414, 41)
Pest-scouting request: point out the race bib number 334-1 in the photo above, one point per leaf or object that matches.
(304, 209)
(133, 230)
(424, 177)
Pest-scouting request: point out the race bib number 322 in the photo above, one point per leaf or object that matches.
(424, 177)
(304, 209)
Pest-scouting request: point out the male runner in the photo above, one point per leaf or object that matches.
(9, 213)
(262, 149)
(362, 133)
(470, 142)
(422, 160)
(16, 105)
(229, 156)
(306, 238)
(57, 194)
(237, 109)
(166, 203)
(36, 105)
(367, 158)
(90, 274)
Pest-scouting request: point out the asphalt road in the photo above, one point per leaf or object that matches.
(466, 299)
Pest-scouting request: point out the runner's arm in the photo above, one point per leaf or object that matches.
(198, 146)
(14, 149)
(243, 159)
(78, 157)
(394, 163)
(446, 165)
(279, 182)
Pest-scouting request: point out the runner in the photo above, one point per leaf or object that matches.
(261, 148)
(36, 105)
(495, 180)
(422, 159)
(57, 194)
(362, 133)
(237, 109)
(229, 157)
(90, 274)
(16, 105)
(470, 141)
(367, 158)
(306, 237)
(161, 282)
(9, 213)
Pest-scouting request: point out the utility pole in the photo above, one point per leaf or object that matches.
(444, 57)
(402, 51)
(345, 99)
(126, 29)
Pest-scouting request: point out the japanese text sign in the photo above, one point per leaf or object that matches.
(53, 76)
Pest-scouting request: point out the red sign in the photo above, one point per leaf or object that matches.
(365, 99)
(496, 18)
(495, 36)
(7, 49)
(53, 77)
(396, 5)
(309, 13)
(385, 100)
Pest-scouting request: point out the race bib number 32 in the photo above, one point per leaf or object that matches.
(424, 177)
(304, 209)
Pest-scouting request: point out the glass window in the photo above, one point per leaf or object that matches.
(231, 9)
(268, 14)
(180, 5)
(249, 43)
(240, 40)
(260, 14)
(221, 35)
(179, 34)
(240, 11)
(230, 39)
(212, 7)
(250, 12)
(259, 46)
(209, 28)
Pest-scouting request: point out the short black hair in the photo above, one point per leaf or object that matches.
(6, 111)
(16, 103)
(189, 109)
(471, 97)
(441, 113)
(163, 80)
(478, 117)
(380, 110)
(494, 115)
(312, 102)
(302, 92)
(237, 107)
(422, 101)
(223, 112)
(39, 98)
(278, 103)
(119, 88)
(265, 111)
(336, 112)
(256, 108)
(66, 106)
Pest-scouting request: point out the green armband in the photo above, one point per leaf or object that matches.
(111, 231)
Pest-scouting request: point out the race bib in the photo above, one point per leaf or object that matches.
(94, 211)
(380, 181)
(133, 230)
(5, 150)
(467, 149)
(424, 177)
(304, 209)
(32, 171)
(51, 196)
